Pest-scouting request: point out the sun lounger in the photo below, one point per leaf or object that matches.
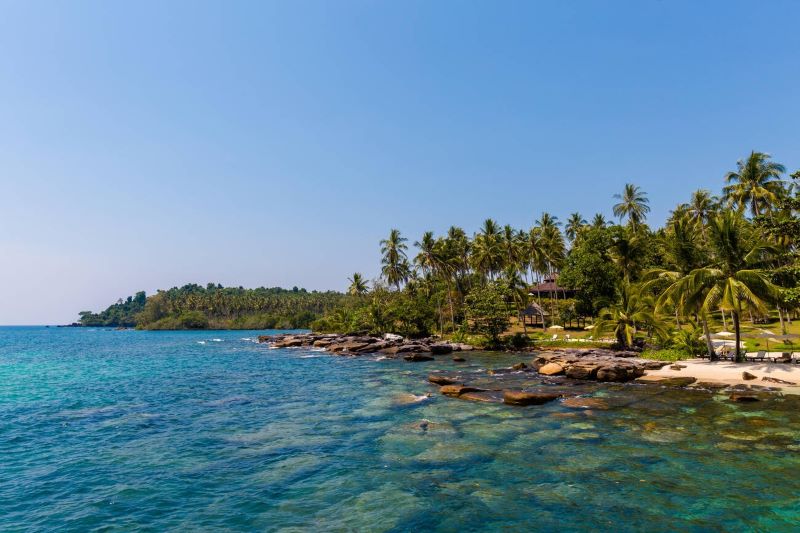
(755, 356)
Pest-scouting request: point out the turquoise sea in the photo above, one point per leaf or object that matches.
(104, 430)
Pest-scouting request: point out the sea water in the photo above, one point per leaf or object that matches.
(210, 431)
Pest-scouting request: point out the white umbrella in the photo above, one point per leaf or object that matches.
(724, 334)
(588, 327)
(556, 327)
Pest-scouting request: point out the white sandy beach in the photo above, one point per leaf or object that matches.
(730, 373)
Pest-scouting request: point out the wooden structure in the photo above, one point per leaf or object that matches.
(549, 288)
(533, 315)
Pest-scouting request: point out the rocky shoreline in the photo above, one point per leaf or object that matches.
(563, 373)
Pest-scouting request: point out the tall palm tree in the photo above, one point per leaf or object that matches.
(575, 224)
(425, 259)
(633, 204)
(731, 282)
(358, 285)
(395, 262)
(755, 183)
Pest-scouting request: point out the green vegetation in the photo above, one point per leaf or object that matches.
(729, 261)
(214, 306)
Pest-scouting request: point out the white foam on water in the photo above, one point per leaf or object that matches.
(201, 342)
(216, 340)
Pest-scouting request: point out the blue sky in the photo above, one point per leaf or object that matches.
(149, 144)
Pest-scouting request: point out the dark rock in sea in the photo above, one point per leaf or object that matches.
(519, 366)
(528, 398)
(441, 349)
(748, 376)
(443, 380)
(744, 397)
(458, 359)
(710, 385)
(417, 357)
(585, 403)
(477, 396)
(457, 390)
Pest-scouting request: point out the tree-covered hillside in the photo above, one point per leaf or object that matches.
(216, 307)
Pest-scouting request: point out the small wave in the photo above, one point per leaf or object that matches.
(201, 342)
(216, 340)
(309, 356)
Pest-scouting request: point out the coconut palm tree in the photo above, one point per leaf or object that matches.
(731, 282)
(755, 183)
(358, 285)
(395, 262)
(702, 205)
(575, 224)
(425, 259)
(599, 221)
(633, 204)
(633, 312)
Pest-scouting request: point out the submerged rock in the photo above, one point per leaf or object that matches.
(443, 380)
(417, 357)
(458, 390)
(528, 398)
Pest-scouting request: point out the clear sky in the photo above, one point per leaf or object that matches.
(148, 144)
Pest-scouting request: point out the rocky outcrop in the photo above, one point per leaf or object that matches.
(354, 344)
(747, 376)
(598, 365)
(457, 390)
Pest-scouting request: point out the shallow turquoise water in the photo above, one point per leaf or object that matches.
(124, 430)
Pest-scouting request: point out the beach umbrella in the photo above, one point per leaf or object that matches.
(723, 334)
(587, 328)
(556, 327)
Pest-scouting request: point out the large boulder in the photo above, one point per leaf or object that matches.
(583, 371)
(441, 349)
(748, 376)
(551, 369)
(528, 398)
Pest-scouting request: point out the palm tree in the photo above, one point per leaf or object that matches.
(731, 282)
(425, 259)
(755, 183)
(487, 255)
(575, 224)
(599, 221)
(633, 205)
(627, 251)
(702, 205)
(634, 311)
(395, 262)
(358, 285)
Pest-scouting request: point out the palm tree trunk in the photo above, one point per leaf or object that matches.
(712, 355)
(735, 315)
(783, 324)
(724, 323)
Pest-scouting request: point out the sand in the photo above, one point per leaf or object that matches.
(730, 373)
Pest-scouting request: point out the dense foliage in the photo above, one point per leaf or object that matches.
(733, 256)
(214, 306)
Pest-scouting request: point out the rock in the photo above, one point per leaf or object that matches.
(666, 381)
(776, 380)
(459, 359)
(443, 380)
(457, 390)
(585, 403)
(465, 348)
(582, 371)
(613, 373)
(710, 385)
(528, 398)
(476, 397)
(748, 376)
(417, 357)
(677, 367)
(412, 348)
(322, 343)
(441, 349)
(744, 397)
(519, 366)
(409, 399)
(551, 369)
